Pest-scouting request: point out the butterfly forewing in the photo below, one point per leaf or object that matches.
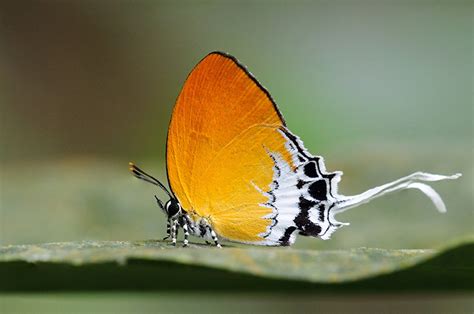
(222, 129)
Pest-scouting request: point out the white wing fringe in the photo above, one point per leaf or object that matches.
(412, 181)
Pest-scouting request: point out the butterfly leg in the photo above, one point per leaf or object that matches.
(168, 231)
(214, 237)
(186, 234)
(174, 231)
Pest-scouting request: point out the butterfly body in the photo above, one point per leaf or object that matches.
(238, 173)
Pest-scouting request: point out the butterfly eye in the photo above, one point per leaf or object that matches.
(172, 207)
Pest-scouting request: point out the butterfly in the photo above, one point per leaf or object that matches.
(237, 173)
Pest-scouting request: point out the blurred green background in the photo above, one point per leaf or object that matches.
(379, 88)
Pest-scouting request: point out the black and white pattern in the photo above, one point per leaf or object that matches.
(304, 198)
(301, 197)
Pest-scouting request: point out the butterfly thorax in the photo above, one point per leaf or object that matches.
(196, 225)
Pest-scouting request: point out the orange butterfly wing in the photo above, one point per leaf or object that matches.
(222, 128)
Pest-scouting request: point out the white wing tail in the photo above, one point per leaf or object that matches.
(412, 181)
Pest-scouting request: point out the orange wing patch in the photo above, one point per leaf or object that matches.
(222, 127)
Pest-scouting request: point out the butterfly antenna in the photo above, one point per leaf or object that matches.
(140, 174)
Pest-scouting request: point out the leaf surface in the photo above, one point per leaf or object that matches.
(157, 265)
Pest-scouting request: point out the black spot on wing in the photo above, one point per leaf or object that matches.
(328, 176)
(311, 229)
(300, 184)
(302, 221)
(305, 205)
(321, 209)
(285, 239)
(310, 170)
(318, 190)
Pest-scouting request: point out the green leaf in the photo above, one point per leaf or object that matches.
(157, 265)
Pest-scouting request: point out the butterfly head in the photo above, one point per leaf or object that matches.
(172, 208)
